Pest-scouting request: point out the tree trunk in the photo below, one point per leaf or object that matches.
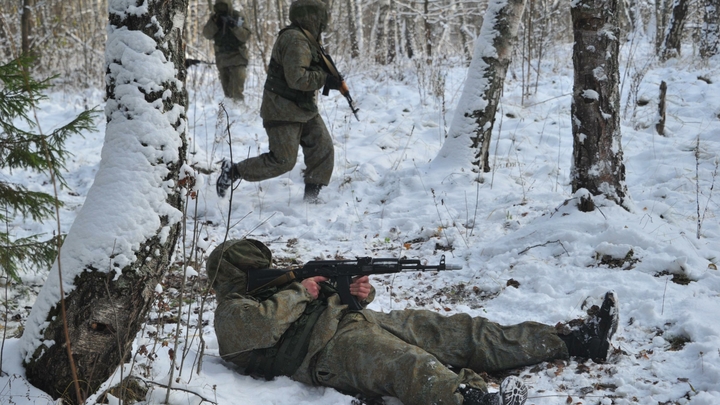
(464, 37)
(381, 34)
(428, 31)
(673, 36)
(660, 24)
(660, 126)
(597, 151)
(121, 242)
(26, 24)
(353, 29)
(710, 41)
(409, 37)
(392, 37)
(474, 119)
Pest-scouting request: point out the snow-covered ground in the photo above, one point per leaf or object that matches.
(517, 222)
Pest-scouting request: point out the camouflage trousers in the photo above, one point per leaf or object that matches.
(406, 354)
(232, 80)
(285, 140)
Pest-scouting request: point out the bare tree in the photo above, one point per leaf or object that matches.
(597, 150)
(379, 34)
(661, 17)
(354, 33)
(462, 28)
(27, 26)
(93, 303)
(428, 30)
(472, 125)
(710, 39)
(670, 47)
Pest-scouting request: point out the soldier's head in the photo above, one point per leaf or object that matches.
(222, 7)
(228, 264)
(309, 14)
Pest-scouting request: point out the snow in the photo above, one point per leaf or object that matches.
(517, 222)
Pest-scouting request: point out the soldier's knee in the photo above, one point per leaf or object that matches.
(282, 164)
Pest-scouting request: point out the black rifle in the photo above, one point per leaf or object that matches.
(340, 273)
(330, 68)
(229, 21)
(192, 62)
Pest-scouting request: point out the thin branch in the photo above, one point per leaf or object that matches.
(544, 244)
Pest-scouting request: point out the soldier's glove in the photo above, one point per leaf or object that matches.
(331, 83)
(225, 178)
(228, 21)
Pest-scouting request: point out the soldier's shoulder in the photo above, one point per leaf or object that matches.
(291, 32)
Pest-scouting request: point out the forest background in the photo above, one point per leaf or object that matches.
(416, 54)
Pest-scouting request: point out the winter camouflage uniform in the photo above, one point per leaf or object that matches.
(228, 28)
(404, 354)
(289, 106)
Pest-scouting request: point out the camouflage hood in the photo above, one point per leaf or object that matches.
(228, 264)
(309, 14)
(223, 7)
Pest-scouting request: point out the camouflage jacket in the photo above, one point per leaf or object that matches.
(300, 60)
(244, 323)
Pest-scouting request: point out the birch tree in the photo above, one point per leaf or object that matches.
(120, 245)
(468, 140)
(597, 150)
(710, 39)
(670, 47)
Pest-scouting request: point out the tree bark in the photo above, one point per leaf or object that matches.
(107, 302)
(26, 24)
(506, 23)
(428, 31)
(353, 29)
(380, 39)
(660, 126)
(462, 29)
(710, 41)
(392, 37)
(673, 34)
(473, 122)
(597, 151)
(660, 23)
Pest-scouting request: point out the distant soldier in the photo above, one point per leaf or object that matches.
(289, 107)
(228, 28)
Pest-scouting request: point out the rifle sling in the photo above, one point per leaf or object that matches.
(328, 63)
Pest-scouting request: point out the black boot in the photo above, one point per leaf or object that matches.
(225, 179)
(590, 337)
(311, 193)
(512, 392)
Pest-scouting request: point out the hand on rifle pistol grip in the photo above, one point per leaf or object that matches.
(332, 82)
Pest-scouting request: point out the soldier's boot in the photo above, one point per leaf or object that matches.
(311, 193)
(225, 179)
(590, 337)
(512, 392)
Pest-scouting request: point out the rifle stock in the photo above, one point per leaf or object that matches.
(340, 273)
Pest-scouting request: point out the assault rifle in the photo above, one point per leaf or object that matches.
(229, 21)
(332, 69)
(192, 62)
(340, 273)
